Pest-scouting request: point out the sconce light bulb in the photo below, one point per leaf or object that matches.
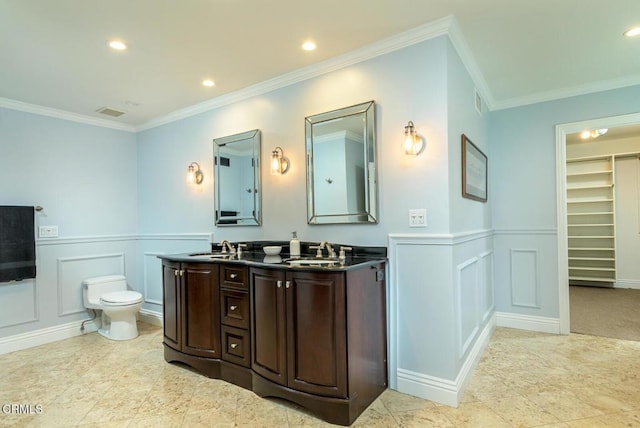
(194, 175)
(279, 163)
(275, 164)
(412, 143)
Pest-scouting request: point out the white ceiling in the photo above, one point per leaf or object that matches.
(54, 53)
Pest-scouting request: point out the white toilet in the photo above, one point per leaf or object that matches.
(119, 306)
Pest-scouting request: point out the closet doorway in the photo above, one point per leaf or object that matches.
(598, 192)
(603, 228)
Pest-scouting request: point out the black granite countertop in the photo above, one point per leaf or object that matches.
(253, 255)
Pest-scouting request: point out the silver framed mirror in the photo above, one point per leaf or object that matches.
(236, 163)
(341, 166)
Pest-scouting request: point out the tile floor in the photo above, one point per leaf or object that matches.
(524, 379)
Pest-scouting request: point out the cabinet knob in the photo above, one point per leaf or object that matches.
(279, 284)
(233, 307)
(181, 272)
(233, 275)
(234, 345)
(288, 284)
(175, 272)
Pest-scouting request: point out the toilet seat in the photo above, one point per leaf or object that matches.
(121, 298)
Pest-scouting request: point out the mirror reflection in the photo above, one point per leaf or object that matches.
(237, 179)
(341, 168)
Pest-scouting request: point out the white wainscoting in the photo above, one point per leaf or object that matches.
(440, 308)
(21, 303)
(152, 277)
(524, 284)
(50, 308)
(73, 270)
(466, 295)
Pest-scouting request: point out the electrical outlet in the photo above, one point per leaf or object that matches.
(418, 218)
(48, 231)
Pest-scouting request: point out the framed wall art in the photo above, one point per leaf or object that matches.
(474, 171)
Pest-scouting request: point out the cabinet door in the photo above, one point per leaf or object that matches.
(268, 328)
(316, 333)
(171, 304)
(201, 310)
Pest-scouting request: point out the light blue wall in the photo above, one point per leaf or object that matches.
(409, 84)
(523, 187)
(83, 175)
(463, 118)
(85, 178)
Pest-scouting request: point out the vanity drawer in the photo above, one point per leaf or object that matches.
(234, 308)
(235, 346)
(233, 276)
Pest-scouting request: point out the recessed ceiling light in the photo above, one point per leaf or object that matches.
(593, 133)
(309, 45)
(117, 45)
(632, 32)
(208, 83)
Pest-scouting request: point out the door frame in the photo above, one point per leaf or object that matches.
(561, 192)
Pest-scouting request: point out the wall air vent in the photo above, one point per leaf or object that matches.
(478, 102)
(110, 111)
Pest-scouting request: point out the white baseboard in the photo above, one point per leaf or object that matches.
(445, 391)
(627, 283)
(64, 331)
(528, 322)
(150, 317)
(40, 337)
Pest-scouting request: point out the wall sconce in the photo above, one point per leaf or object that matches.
(195, 175)
(413, 145)
(279, 163)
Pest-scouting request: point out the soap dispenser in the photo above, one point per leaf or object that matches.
(294, 245)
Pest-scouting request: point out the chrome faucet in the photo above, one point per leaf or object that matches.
(226, 244)
(324, 244)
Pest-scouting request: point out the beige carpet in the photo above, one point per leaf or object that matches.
(608, 312)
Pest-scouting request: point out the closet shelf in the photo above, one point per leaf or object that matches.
(591, 237)
(589, 201)
(591, 249)
(607, 186)
(590, 190)
(590, 278)
(592, 213)
(590, 225)
(582, 174)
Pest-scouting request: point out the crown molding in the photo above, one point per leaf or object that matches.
(419, 34)
(573, 91)
(64, 115)
(460, 44)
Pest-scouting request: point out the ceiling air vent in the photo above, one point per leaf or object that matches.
(110, 111)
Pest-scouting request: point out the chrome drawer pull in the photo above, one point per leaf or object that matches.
(279, 284)
(288, 284)
(233, 307)
(233, 275)
(234, 345)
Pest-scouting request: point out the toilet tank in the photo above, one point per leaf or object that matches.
(93, 288)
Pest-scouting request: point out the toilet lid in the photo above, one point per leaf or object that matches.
(121, 298)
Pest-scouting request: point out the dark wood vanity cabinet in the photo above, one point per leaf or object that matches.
(191, 302)
(319, 338)
(234, 307)
(314, 337)
(305, 312)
